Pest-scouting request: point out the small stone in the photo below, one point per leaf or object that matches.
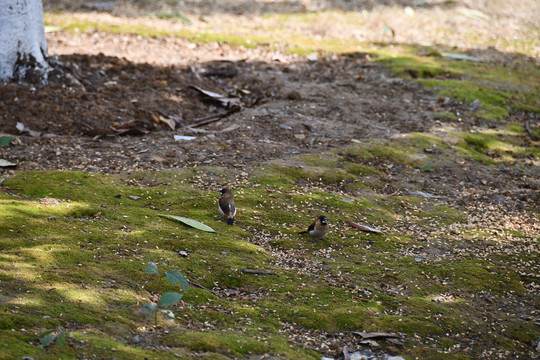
(294, 95)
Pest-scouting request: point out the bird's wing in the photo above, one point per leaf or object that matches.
(226, 207)
(311, 227)
(222, 204)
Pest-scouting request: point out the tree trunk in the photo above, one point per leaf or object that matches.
(23, 47)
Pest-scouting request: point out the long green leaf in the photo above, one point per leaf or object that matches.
(175, 277)
(169, 298)
(189, 222)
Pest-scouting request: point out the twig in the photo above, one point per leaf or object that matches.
(529, 132)
(374, 335)
(258, 272)
(214, 117)
(197, 285)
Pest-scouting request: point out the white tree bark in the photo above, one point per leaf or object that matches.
(22, 37)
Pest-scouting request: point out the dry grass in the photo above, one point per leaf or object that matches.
(508, 26)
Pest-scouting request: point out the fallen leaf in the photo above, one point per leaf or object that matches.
(169, 122)
(223, 100)
(426, 195)
(184, 137)
(189, 222)
(363, 227)
(5, 163)
(370, 343)
(374, 335)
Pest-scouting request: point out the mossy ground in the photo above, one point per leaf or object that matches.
(74, 246)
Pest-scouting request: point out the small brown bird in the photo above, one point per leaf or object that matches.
(226, 205)
(318, 228)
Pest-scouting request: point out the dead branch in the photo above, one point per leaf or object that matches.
(214, 117)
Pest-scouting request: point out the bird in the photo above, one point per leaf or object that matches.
(318, 228)
(226, 205)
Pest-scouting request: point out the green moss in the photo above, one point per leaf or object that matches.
(87, 268)
(496, 146)
(233, 345)
(445, 116)
(494, 88)
(278, 175)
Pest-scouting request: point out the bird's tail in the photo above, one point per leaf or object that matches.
(230, 221)
(303, 232)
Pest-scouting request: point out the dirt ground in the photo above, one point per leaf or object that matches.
(288, 105)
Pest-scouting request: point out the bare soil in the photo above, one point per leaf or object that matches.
(289, 105)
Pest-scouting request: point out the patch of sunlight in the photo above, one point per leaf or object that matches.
(20, 271)
(41, 207)
(76, 294)
(45, 254)
(27, 300)
(249, 246)
(8, 257)
(132, 233)
(443, 298)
